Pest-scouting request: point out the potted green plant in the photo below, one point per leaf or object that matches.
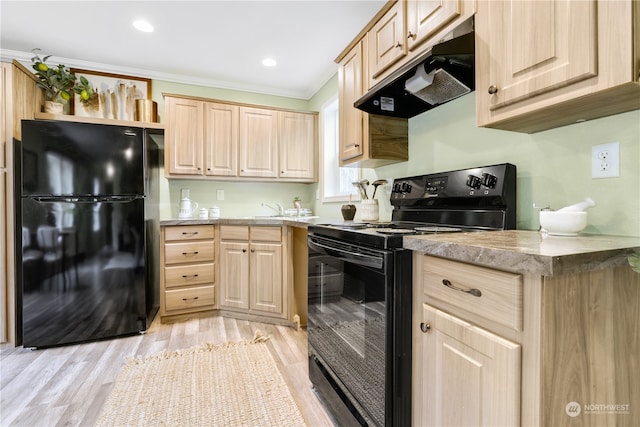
(87, 94)
(56, 82)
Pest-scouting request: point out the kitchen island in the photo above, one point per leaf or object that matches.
(519, 328)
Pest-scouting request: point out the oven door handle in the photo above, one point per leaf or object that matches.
(348, 256)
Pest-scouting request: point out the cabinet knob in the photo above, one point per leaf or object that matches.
(398, 45)
(493, 89)
(356, 145)
(411, 35)
(244, 251)
(253, 250)
(425, 327)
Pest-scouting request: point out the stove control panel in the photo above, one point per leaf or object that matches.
(488, 181)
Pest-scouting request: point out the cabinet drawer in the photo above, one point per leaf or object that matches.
(266, 234)
(493, 294)
(234, 232)
(188, 232)
(179, 253)
(188, 275)
(180, 299)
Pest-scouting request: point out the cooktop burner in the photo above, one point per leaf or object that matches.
(474, 199)
(393, 231)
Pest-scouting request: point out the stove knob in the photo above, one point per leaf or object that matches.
(489, 180)
(396, 188)
(405, 188)
(473, 182)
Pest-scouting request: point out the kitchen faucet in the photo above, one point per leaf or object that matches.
(279, 209)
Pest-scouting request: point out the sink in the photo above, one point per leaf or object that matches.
(277, 217)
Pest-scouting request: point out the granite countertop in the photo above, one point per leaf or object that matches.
(294, 221)
(528, 251)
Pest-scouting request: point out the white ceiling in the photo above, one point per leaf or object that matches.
(207, 43)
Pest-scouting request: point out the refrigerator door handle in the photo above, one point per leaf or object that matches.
(87, 199)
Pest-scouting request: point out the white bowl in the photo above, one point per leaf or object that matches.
(563, 223)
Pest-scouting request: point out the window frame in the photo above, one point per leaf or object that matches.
(332, 105)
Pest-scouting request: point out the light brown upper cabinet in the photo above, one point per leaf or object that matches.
(366, 140)
(545, 64)
(221, 124)
(352, 125)
(406, 26)
(184, 136)
(297, 145)
(407, 29)
(426, 18)
(258, 142)
(387, 41)
(206, 139)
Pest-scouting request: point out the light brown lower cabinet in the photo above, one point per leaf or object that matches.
(188, 269)
(252, 270)
(508, 348)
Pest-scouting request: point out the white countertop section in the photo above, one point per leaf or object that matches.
(528, 251)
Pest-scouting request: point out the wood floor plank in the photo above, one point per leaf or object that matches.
(67, 386)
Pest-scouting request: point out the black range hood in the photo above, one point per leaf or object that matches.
(441, 74)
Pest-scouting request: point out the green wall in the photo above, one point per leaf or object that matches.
(554, 167)
(240, 198)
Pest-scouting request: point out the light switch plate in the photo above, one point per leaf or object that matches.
(219, 194)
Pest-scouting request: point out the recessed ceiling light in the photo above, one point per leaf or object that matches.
(269, 62)
(143, 26)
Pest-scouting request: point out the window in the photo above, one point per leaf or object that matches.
(336, 181)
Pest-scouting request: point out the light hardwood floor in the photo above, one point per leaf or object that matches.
(67, 386)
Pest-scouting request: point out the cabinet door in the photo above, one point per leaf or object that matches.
(425, 18)
(350, 75)
(221, 139)
(258, 142)
(297, 145)
(266, 277)
(537, 46)
(183, 136)
(387, 40)
(468, 376)
(4, 70)
(234, 275)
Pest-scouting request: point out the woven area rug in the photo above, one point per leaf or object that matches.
(233, 384)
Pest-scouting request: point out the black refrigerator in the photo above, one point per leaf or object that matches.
(87, 232)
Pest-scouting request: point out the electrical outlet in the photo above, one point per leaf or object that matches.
(220, 194)
(605, 160)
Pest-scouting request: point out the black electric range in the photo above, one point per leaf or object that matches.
(359, 294)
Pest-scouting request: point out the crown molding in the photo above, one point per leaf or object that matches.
(25, 59)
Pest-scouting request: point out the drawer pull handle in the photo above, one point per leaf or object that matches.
(474, 292)
(187, 299)
(189, 232)
(190, 253)
(185, 276)
(425, 327)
